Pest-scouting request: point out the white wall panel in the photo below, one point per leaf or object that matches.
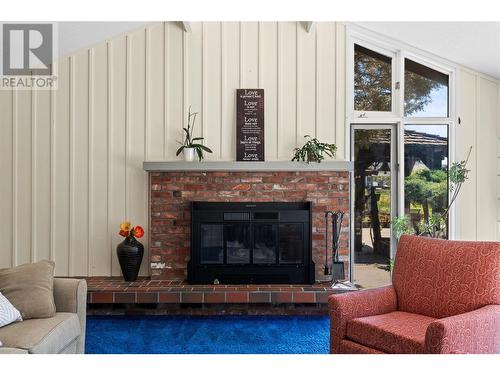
(487, 192)
(118, 122)
(287, 89)
(325, 82)
(23, 178)
(79, 165)
(477, 205)
(466, 210)
(212, 89)
(72, 158)
(6, 182)
(230, 81)
(60, 242)
(99, 259)
(268, 80)
(41, 176)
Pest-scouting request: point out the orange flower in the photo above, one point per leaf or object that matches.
(124, 233)
(126, 226)
(138, 232)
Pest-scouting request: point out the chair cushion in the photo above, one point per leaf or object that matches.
(442, 278)
(396, 332)
(49, 335)
(30, 288)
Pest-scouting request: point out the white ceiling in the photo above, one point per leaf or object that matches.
(76, 35)
(472, 44)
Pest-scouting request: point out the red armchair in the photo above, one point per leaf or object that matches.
(444, 298)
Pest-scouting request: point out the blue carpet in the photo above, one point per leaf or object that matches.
(210, 335)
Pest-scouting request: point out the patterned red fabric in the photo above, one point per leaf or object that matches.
(473, 332)
(441, 278)
(395, 332)
(350, 347)
(347, 306)
(445, 299)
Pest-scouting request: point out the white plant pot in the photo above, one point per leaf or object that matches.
(189, 153)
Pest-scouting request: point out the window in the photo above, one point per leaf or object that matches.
(426, 176)
(426, 91)
(372, 80)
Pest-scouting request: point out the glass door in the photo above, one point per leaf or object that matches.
(374, 190)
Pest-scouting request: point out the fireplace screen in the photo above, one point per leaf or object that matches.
(251, 243)
(265, 243)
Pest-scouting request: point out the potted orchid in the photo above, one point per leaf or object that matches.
(189, 146)
(130, 251)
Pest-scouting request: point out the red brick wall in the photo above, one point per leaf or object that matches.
(171, 193)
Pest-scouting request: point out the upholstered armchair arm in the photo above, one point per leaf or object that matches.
(477, 332)
(347, 306)
(70, 295)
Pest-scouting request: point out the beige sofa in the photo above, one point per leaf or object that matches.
(63, 333)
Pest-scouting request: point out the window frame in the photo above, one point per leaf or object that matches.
(392, 54)
(378, 43)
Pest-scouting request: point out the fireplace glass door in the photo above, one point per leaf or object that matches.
(265, 240)
(291, 240)
(212, 244)
(238, 243)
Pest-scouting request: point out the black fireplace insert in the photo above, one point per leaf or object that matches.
(251, 243)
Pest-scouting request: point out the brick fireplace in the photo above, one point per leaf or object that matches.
(173, 187)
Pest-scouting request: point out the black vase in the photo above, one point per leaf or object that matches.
(130, 253)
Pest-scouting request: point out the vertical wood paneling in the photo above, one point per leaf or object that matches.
(340, 91)
(155, 99)
(487, 122)
(34, 185)
(249, 64)
(23, 183)
(61, 172)
(136, 140)
(287, 89)
(212, 94)
(6, 191)
(174, 88)
(79, 165)
(230, 81)
(306, 84)
(75, 154)
(41, 174)
(193, 75)
(268, 76)
(466, 209)
(325, 82)
(98, 148)
(117, 212)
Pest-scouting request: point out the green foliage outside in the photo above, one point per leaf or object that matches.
(429, 189)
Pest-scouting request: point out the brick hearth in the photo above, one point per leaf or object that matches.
(113, 290)
(171, 193)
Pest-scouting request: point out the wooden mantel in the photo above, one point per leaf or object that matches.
(268, 166)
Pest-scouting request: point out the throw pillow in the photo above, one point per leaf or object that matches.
(30, 288)
(8, 313)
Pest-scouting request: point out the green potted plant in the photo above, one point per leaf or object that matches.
(189, 145)
(313, 151)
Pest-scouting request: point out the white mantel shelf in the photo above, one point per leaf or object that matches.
(247, 166)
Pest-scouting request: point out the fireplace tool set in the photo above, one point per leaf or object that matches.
(336, 268)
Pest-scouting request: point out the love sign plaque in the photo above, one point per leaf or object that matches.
(250, 125)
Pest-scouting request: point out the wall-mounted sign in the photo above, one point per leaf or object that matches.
(250, 125)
